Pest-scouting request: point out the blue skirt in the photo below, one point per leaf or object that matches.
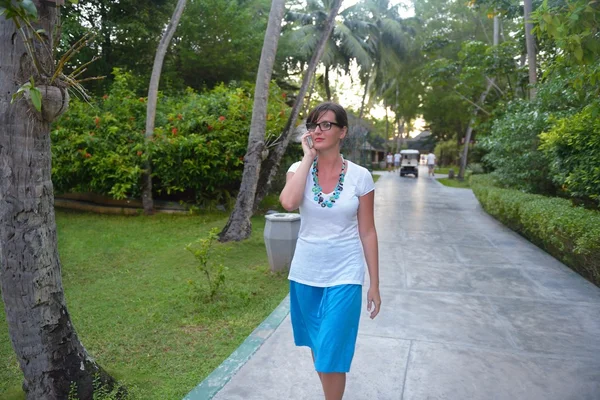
(326, 320)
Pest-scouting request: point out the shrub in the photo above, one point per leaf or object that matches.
(204, 252)
(196, 151)
(476, 168)
(513, 149)
(447, 153)
(573, 145)
(571, 234)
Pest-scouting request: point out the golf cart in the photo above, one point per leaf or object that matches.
(409, 162)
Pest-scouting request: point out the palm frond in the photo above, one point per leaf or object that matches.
(353, 46)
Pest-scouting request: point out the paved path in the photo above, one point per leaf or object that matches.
(470, 311)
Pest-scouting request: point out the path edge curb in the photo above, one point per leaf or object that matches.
(214, 382)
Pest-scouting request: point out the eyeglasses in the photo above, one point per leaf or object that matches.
(324, 126)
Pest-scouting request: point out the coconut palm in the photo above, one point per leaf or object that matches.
(159, 57)
(239, 226)
(271, 164)
(387, 42)
(44, 339)
(345, 44)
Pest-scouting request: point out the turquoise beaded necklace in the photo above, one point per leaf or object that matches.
(318, 190)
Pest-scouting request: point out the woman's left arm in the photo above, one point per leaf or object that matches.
(368, 237)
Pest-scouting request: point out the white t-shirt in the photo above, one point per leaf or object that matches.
(389, 158)
(430, 159)
(329, 251)
(397, 157)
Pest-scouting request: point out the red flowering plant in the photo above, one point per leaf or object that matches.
(197, 149)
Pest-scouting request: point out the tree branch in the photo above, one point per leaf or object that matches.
(471, 102)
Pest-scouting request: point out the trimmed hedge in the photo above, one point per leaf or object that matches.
(571, 234)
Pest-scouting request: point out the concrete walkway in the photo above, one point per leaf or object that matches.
(470, 311)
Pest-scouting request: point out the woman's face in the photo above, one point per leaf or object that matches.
(325, 139)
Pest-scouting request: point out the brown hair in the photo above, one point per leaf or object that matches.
(341, 118)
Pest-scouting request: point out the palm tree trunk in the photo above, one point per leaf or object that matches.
(400, 141)
(530, 43)
(159, 58)
(42, 334)
(327, 87)
(364, 98)
(239, 226)
(387, 122)
(310, 93)
(271, 164)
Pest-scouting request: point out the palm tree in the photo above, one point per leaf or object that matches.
(387, 44)
(530, 43)
(45, 342)
(271, 164)
(345, 44)
(163, 46)
(239, 226)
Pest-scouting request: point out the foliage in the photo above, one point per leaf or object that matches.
(571, 234)
(514, 141)
(40, 47)
(476, 168)
(197, 149)
(127, 31)
(573, 25)
(221, 41)
(101, 391)
(217, 40)
(447, 153)
(204, 253)
(573, 146)
(513, 148)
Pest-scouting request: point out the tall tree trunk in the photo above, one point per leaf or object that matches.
(163, 46)
(364, 98)
(531, 53)
(105, 31)
(327, 87)
(463, 160)
(42, 334)
(310, 93)
(387, 122)
(400, 141)
(239, 226)
(271, 164)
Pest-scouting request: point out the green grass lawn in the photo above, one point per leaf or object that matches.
(126, 282)
(455, 183)
(376, 178)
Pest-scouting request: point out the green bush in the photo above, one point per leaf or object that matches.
(513, 148)
(571, 234)
(476, 168)
(573, 145)
(197, 149)
(513, 144)
(447, 153)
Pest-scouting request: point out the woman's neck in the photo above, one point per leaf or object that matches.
(329, 161)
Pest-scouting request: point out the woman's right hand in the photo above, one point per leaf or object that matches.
(307, 150)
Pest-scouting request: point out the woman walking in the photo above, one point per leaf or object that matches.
(337, 236)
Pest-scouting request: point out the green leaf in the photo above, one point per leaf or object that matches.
(36, 98)
(578, 53)
(30, 8)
